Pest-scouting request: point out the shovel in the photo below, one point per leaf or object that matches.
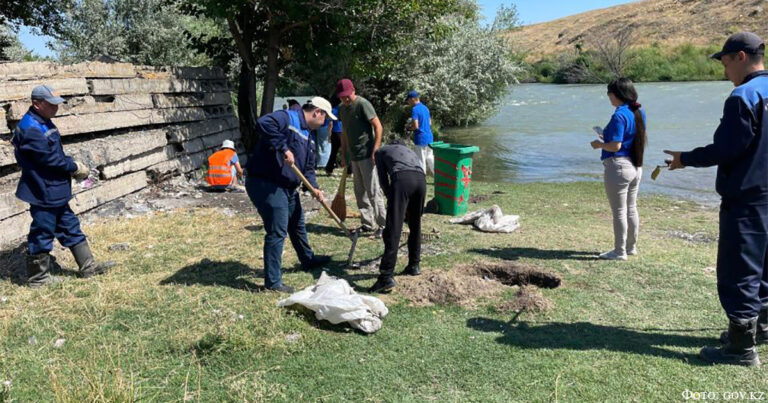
(339, 204)
(353, 235)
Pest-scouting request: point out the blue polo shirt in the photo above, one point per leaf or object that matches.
(621, 128)
(423, 135)
(336, 125)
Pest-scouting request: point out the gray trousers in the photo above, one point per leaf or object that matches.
(369, 196)
(622, 179)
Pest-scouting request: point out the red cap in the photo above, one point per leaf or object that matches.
(344, 87)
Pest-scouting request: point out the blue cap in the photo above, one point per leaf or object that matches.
(47, 94)
(412, 94)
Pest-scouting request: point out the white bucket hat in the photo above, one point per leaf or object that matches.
(228, 144)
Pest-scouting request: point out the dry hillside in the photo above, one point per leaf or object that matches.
(700, 22)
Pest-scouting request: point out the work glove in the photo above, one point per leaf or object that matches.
(82, 171)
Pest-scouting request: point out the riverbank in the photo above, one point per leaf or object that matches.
(649, 63)
(179, 317)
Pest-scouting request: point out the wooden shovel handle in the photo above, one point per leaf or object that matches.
(325, 205)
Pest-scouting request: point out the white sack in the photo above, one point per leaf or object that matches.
(490, 220)
(332, 299)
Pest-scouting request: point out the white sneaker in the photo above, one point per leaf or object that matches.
(632, 252)
(612, 255)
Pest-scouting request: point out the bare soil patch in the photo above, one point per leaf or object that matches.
(468, 285)
(528, 299)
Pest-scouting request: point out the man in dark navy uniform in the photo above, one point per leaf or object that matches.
(46, 185)
(284, 140)
(740, 150)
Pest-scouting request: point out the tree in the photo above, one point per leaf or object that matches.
(611, 49)
(506, 19)
(147, 32)
(11, 49)
(462, 75)
(344, 37)
(41, 14)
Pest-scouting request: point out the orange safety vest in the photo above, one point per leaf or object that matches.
(219, 172)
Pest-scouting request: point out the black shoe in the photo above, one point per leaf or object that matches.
(740, 348)
(383, 285)
(283, 288)
(411, 270)
(316, 262)
(761, 337)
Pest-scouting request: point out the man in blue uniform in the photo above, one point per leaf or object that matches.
(46, 185)
(740, 150)
(421, 124)
(272, 185)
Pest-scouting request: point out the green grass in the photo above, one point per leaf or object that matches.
(165, 325)
(649, 63)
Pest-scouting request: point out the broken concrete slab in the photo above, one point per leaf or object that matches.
(186, 132)
(9, 204)
(160, 85)
(7, 156)
(4, 128)
(193, 73)
(138, 163)
(14, 228)
(116, 147)
(42, 70)
(96, 122)
(108, 191)
(195, 99)
(14, 90)
(88, 104)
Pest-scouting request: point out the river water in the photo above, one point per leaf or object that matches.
(541, 133)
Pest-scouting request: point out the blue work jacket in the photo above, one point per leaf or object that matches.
(740, 146)
(45, 169)
(280, 131)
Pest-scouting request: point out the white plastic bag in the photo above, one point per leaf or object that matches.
(490, 220)
(332, 299)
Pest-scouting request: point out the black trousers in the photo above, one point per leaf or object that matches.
(742, 257)
(407, 193)
(335, 145)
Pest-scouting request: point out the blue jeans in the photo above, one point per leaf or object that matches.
(280, 209)
(53, 222)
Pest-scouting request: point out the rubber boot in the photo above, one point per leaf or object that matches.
(740, 348)
(38, 267)
(86, 262)
(762, 329)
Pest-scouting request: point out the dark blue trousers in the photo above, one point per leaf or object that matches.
(742, 256)
(53, 222)
(280, 209)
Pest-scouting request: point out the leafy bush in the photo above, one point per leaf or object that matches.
(461, 76)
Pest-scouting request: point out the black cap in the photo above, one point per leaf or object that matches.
(746, 41)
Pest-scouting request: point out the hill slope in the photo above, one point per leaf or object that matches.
(668, 22)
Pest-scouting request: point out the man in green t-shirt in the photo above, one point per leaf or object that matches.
(360, 139)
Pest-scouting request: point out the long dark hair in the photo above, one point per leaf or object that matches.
(623, 89)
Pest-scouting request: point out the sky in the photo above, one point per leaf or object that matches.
(530, 11)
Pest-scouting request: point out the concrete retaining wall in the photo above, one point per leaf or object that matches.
(134, 124)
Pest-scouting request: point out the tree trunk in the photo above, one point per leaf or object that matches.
(272, 71)
(247, 102)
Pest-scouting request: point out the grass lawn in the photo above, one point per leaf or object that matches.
(178, 319)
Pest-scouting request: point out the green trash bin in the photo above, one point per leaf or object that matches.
(453, 175)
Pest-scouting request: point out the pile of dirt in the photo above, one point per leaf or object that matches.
(467, 285)
(528, 299)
